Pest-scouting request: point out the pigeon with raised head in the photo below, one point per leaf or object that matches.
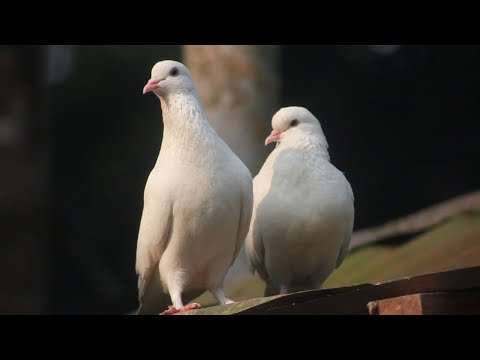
(303, 208)
(197, 202)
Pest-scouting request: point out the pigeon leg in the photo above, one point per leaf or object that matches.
(220, 296)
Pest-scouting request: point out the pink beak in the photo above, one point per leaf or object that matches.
(152, 84)
(274, 136)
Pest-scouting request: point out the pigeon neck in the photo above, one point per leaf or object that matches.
(315, 145)
(181, 104)
(186, 131)
(182, 112)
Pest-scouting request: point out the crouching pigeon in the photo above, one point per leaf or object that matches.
(303, 209)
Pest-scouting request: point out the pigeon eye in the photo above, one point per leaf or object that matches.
(293, 123)
(174, 72)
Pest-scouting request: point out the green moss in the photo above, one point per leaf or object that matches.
(450, 245)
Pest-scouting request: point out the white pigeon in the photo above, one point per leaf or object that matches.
(303, 209)
(197, 202)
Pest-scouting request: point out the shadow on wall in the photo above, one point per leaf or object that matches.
(402, 122)
(106, 139)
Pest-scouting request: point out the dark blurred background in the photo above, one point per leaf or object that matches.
(78, 139)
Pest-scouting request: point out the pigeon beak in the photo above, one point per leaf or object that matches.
(152, 84)
(274, 136)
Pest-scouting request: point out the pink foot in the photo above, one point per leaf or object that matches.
(172, 310)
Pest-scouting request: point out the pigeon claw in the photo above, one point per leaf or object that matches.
(173, 310)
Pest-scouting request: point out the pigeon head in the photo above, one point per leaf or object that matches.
(168, 77)
(293, 123)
